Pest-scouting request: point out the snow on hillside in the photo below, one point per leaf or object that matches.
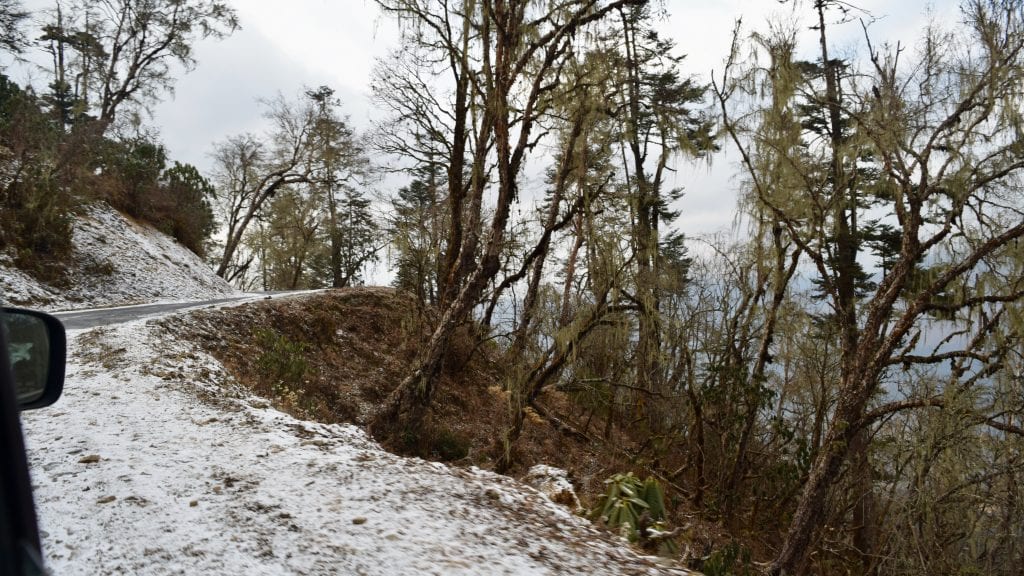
(115, 262)
(154, 463)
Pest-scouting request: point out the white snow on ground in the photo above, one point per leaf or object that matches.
(116, 262)
(153, 463)
(553, 483)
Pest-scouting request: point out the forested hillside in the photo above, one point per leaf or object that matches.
(834, 386)
(78, 138)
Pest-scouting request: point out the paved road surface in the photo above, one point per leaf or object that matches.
(102, 316)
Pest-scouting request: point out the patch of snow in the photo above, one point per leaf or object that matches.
(155, 463)
(116, 262)
(17, 287)
(555, 484)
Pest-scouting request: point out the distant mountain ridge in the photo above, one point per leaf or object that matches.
(116, 261)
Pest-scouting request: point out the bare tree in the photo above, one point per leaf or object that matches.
(503, 58)
(248, 173)
(126, 48)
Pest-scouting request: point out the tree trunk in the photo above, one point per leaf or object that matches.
(864, 514)
(230, 245)
(783, 274)
(810, 512)
(528, 387)
(645, 236)
(267, 188)
(565, 315)
(853, 395)
(698, 452)
(337, 280)
(449, 283)
(406, 407)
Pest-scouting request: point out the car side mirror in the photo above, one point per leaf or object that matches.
(37, 348)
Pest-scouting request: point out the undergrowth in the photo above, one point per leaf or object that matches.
(336, 357)
(282, 362)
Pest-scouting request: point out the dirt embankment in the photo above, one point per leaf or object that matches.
(335, 357)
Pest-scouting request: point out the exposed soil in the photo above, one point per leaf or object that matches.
(155, 463)
(358, 345)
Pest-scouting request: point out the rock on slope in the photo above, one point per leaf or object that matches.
(116, 262)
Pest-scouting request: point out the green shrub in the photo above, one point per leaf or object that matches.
(136, 179)
(731, 560)
(431, 442)
(634, 507)
(181, 206)
(282, 361)
(448, 446)
(35, 205)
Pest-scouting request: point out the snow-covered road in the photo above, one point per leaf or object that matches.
(153, 463)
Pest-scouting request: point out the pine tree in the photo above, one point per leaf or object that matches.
(415, 232)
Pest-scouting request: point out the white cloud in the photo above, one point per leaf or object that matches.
(286, 46)
(335, 39)
(281, 48)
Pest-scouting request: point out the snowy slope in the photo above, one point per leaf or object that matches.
(153, 463)
(117, 261)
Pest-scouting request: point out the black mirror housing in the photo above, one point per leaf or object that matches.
(37, 349)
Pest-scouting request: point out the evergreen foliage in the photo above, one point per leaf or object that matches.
(636, 509)
(35, 208)
(281, 361)
(415, 235)
(186, 200)
(58, 150)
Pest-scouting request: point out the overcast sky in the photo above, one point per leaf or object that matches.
(284, 46)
